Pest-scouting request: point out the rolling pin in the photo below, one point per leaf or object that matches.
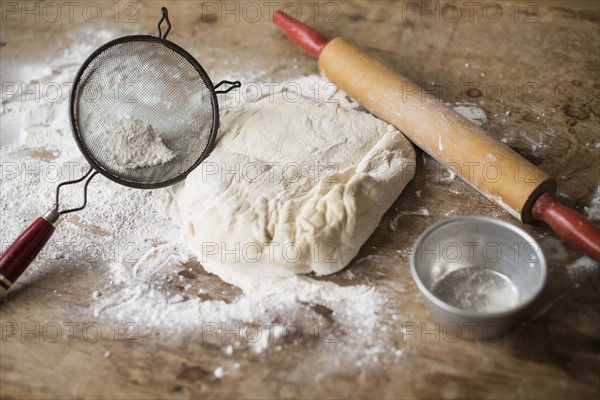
(489, 166)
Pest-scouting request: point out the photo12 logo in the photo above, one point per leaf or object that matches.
(256, 11)
(67, 332)
(454, 332)
(469, 11)
(459, 252)
(52, 12)
(269, 252)
(265, 333)
(37, 171)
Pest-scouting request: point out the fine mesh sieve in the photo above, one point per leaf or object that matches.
(152, 80)
(141, 78)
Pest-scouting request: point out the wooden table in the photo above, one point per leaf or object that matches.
(543, 57)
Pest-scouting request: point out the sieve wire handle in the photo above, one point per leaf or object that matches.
(15, 260)
(164, 17)
(233, 85)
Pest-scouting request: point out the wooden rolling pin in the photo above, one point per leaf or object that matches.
(489, 166)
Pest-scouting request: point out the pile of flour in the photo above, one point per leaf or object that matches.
(133, 144)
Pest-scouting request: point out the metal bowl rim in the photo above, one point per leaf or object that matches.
(475, 314)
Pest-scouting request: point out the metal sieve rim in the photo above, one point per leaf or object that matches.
(75, 127)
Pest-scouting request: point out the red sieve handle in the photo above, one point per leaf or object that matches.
(15, 260)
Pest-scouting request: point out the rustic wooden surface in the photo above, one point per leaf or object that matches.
(547, 65)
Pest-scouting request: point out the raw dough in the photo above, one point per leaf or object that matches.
(293, 187)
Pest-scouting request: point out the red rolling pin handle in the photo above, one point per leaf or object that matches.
(306, 38)
(569, 224)
(15, 260)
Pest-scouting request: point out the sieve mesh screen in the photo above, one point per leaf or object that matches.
(148, 81)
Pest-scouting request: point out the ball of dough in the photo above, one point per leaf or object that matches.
(292, 187)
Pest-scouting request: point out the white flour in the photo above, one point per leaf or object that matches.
(270, 305)
(135, 144)
(472, 113)
(593, 211)
(581, 268)
(477, 289)
(394, 223)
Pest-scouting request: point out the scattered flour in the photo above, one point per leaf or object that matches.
(139, 297)
(451, 174)
(472, 113)
(352, 321)
(581, 268)
(219, 372)
(134, 144)
(593, 211)
(395, 221)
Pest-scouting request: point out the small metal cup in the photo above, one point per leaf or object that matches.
(478, 275)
